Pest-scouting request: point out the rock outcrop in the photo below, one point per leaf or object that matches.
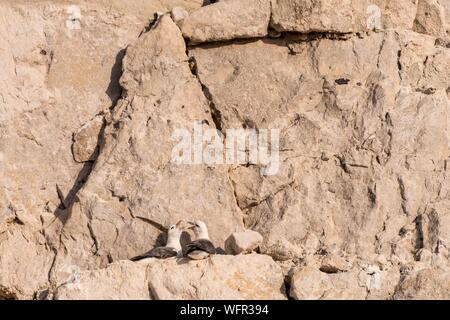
(342, 16)
(368, 283)
(226, 20)
(243, 242)
(92, 95)
(426, 284)
(221, 277)
(123, 280)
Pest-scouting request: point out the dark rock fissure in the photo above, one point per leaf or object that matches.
(215, 113)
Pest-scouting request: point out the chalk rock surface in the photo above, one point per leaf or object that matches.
(342, 16)
(220, 277)
(227, 20)
(95, 97)
(61, 64)
(124, 280)
(369, 283)
(426, 284)
(243, 242)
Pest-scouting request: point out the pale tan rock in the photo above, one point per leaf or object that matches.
(53, 81)
(321, 172)
(124, 280)
(398, 14)
(431, 18)
(85, 140)
(23, 261)
(362, 188)
(135, 186)
(342, 16)
(220, 277)
(426, 284)
(312, 16)
(178, 15)
(243, 242)
(309, 283)
(227, 20)
(333, 263)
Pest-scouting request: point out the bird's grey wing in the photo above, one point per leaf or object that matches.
(201, 244)
(158, 252)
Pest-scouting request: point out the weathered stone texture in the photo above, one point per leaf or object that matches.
(90, 99)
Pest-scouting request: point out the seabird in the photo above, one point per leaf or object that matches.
(171, 249)
(201, 247)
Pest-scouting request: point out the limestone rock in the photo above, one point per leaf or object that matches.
(431, 18)
(135, 185)
(220, 277)
(55, 78)
(23, 260)
(426, 284)
(326, 188)
(397, 14)
(333, 263)
(342, 16)
(312, 16)
(124, 280)
(86, 138)
(178, 15)
(359, 94)
(227, 20)
(309, 283)
(243, 242)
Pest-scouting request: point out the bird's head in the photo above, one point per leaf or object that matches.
(176, 230)
(200, 229)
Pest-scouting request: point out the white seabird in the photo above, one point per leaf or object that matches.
(171, 249)
(201, 247)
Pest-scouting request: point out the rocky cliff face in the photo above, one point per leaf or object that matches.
(91, 92)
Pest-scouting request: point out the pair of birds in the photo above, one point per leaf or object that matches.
(199, 249)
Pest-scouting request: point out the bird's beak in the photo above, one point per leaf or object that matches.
(192, 224)
(180, 224)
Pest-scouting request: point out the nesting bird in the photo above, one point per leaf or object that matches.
(172, 247)
(201, 247)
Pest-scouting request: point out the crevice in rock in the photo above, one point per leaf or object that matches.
(151, 24)
(284, 38)
(372, 194)
(419, 238)
(399, 64)
(215, 113)
(50, 59)
(50, 270)
(402, 189)
(121, 198)
(427, 91)
(83, 175)
(280, 189)
(93, 236)
(115, 90)
(315, 35)
(380, 51)
(286, 288)
(63, 211)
